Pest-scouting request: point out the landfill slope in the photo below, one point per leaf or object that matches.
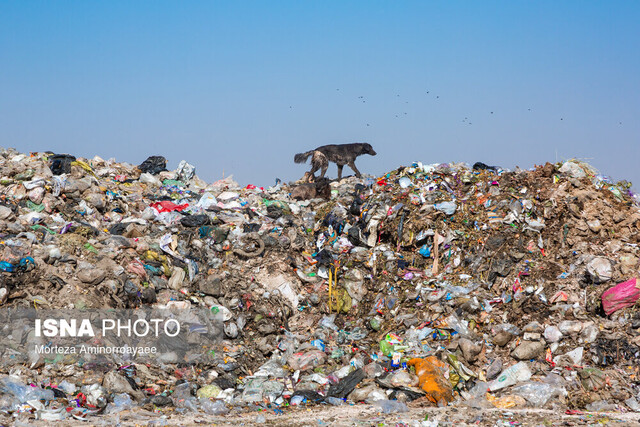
(432, 285)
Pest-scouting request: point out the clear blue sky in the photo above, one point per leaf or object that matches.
(241, 87)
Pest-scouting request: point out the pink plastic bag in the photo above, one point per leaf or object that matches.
(622, 295)
(167, 206)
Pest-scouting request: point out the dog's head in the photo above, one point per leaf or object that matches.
(368, 149)
(308, 177)
(323, 188)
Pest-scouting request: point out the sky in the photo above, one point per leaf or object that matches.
(240, 87)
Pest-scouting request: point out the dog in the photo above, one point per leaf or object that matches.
(340, 154)
(314, 190)
(479, 166)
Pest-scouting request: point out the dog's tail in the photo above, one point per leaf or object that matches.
(302, 157)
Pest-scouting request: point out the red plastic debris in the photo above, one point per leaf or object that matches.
(167, 206)
(620, 296)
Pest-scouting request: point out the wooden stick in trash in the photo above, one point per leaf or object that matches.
(329, 289)
(436, 243)
(335, 281)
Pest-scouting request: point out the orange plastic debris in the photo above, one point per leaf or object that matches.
(433, 378)
(507, 402)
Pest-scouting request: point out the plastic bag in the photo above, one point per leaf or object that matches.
(195, 220)
(459, 325)
(506, 402)
(153, 165)
(60, 163)
(206, 201)
(24, 392)
(391, 406)
(538, 394)
(182, 397)
(121, 402)
(622, 295)
(167, 206)
(448, 208)
(306, 361)
(600, 270)
(572, 168)
(512, 375)
(257, 389)
(213, 407)
(185, 171)
(347, 384)
(209, 391)
(403, 378)
(432, 378)
(592, 378)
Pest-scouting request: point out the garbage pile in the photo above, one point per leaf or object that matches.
(434, 284)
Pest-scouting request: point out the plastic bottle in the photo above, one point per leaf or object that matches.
(297, 400)
(512, 375)
(334, 401)
(309, 221)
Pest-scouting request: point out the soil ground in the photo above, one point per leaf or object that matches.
(358, 415)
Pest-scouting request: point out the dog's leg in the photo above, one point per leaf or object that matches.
(311, 174)
(340, 172)
(319, 161)
(323, 170)
(352, 165)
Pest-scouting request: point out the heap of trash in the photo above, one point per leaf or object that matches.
(433, 285)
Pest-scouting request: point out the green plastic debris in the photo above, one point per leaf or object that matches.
(90, 248)
(375, 323)
(34, 207)
(42, 227)
(173, 182)
(26, 175)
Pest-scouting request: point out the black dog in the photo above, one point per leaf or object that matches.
(343, 154)
(479, 166)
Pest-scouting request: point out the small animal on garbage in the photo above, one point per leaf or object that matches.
(320, 189)
(340, 154)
